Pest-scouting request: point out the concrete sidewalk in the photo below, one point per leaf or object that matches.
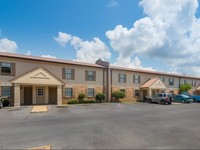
(39, 109)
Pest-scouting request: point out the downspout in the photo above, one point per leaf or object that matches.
(108, 83)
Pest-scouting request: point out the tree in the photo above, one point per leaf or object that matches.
(117, 95)
(185, 87)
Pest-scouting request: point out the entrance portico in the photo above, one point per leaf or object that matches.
(152, 87)
(38, 86)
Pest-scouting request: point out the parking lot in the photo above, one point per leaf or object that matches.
(105, 126)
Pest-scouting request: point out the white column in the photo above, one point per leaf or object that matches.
(46, 95)
(59, 95)
(17, 95)
(149, 92)
(34, 94)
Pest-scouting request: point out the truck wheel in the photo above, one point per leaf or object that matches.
(149, 101)
(162, 102)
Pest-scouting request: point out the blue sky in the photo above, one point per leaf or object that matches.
(86, 30)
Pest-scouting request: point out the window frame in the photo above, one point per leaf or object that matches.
(89, 92)
(122, 78)
(136, 78)
(194, 83)
(68, 92)
(38, 92)
(6, 91)
(123, 90)
(7, 65)
(171, 81)
(90, 77)
(136, 94)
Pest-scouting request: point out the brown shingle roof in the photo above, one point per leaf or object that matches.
(11, 55)
(149, 83)
(153, 72)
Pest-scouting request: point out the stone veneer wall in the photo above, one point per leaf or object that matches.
(129, 91)
(82, 89)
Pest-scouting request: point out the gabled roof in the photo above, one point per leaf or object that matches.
(198, 88)
(153, 83)
(39, 76)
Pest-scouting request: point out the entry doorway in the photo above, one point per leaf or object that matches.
(28, 99)
(52, 95)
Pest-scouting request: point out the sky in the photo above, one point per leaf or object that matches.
(159, 35)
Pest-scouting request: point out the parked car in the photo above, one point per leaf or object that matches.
(183, 98)
(162, 98)
(196, 98)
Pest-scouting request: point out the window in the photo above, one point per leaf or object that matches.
(194, 83)
(136, 79)
(6, 91)
(69, 74)
(90, 92)
(171, 81)
(162, 79)
(122, 78)
(68, 92)
(123, 90)
(40, 91)
(137, 93)
(90, 75)
(6, 68)
(185, 81)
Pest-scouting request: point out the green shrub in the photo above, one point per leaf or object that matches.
(81, 96)
(6, 103)
(73, 101)
(117, 95)
(88, 101)
(100, 97)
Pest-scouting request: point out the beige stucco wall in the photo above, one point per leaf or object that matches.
(145, 77)
(23, 66)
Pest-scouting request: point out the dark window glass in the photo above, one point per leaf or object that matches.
(90, 75)
(90, 92)
(6, 91)
(6, 68)
(68, 92)
(137, 93)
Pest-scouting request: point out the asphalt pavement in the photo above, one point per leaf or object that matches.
(102, 126)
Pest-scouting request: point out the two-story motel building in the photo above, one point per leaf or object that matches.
(29, 80)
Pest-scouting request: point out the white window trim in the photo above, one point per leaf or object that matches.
(43, 91)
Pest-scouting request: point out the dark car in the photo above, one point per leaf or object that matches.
(196, 98)
(183, 98)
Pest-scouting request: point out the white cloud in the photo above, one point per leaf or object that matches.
(28, 53)
(48, 56)
(170, 32)
(7, 45)
(89, 51)
(62, 38)
(128, 62)
(113, 3)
